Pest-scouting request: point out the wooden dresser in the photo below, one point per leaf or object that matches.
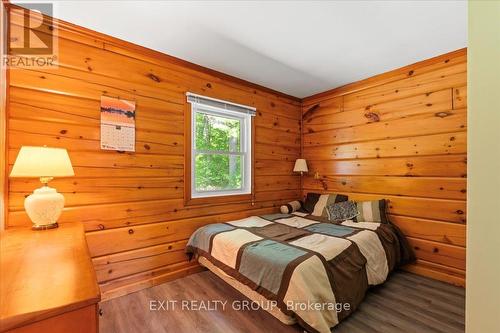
(47, 281)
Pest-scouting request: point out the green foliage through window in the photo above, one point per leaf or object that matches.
(218, 158)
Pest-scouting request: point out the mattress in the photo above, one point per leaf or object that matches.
(315, 271)
(246, 291)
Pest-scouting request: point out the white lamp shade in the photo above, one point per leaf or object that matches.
(300, 165)
(42, 162)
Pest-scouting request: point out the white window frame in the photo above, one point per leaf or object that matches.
(245, 119)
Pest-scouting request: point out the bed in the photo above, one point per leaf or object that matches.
(304, 268)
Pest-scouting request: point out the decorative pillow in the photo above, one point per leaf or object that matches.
(316, 203)
(291, 207)
(371, 211)
(341, 211)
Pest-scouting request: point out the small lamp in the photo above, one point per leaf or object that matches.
(300, 166)
(44, 205)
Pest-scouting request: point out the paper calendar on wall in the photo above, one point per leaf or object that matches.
(117, 124)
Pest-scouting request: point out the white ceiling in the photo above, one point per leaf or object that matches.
(296, 47)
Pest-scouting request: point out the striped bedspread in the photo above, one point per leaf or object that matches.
(313, 270)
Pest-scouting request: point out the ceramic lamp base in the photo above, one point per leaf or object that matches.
(44, 207)
(44, 227)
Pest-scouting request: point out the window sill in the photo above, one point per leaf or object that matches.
(236, 198)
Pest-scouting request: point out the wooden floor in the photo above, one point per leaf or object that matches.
(405, 303)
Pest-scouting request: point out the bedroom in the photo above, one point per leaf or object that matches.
(219, 174)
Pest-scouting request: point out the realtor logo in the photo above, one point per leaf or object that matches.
(31, 36)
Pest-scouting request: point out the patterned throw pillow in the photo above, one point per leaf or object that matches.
(371, 211)
(291, 207)
(341, 211)
(316, 203)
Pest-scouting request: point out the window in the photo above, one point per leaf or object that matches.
(221, 143)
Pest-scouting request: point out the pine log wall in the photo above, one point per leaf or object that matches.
(400, 136)
(132, 203)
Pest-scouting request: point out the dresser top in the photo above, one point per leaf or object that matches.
(44, 273)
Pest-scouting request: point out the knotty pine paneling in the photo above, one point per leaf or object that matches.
(401, 136)
(132, 203)
(3, 124)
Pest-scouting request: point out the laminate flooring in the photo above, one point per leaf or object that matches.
(405, 303)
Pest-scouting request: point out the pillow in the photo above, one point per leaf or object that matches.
(316, 203)
(371, 211)
(341, 211)
(291, 207)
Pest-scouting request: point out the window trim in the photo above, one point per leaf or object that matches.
(232, 196)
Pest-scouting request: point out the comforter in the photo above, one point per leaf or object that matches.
(313, 270)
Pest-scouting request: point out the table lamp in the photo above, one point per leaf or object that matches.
(44, 205)
(300, 166)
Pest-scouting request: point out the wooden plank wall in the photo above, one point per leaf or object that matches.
(400, 136)
(3, 116)
(132, 203)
